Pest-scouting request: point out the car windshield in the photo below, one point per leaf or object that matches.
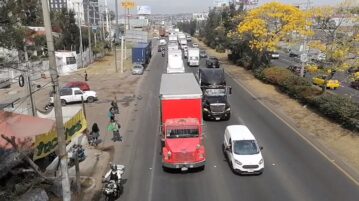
(182, 133)
(245, 147)
(215, 92)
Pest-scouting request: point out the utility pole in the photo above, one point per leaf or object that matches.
(81, 46)
(122, 45)
(116, 30)
(304, 55)
(106, 10)
(94, 23)
(61, 139)
(29, 84)
(89, 29)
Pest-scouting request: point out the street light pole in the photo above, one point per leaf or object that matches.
(116, 34)
(89, 29)
(81, 46)
(61, 140)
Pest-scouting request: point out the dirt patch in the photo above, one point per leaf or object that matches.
(341, 142)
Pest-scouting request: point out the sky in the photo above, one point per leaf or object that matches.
(190, 6)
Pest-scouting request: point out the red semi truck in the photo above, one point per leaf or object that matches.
(181, 122)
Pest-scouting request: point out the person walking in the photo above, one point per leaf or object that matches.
(86, 76)
(94, 135)
(114, 127)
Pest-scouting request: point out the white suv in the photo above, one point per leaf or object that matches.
(242, 150)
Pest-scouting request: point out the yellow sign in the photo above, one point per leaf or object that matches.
(128, 4)
(47, 143)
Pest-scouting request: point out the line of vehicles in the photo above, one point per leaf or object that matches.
(185, 101)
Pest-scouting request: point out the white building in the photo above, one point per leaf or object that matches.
(200, 16)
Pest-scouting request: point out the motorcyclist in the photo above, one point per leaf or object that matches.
(114, 174)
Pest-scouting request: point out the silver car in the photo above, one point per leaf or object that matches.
(137, 69)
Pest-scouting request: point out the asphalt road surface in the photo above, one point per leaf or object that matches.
(293, 169)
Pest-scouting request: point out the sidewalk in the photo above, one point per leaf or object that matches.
(109, 85)
(338, 143)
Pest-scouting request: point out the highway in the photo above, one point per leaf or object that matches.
(293, 169)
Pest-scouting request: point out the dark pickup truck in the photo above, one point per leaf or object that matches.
(215, 101)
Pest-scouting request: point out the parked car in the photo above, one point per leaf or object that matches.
(78, 84)
(202, 54)
(137, 69)
(355, 84)
(242, 151)
(194, 45)
(70, 95)
(274, 55)
(331, 84)
(163, 42)
(353, 70)
(212, 62)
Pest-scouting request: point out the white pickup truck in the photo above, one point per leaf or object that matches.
(70, 95)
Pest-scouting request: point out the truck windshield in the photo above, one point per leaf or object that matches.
(182, 133)
(245, 147)
(215, 92)
(193, 58)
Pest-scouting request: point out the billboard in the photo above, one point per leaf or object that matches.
(143, 10)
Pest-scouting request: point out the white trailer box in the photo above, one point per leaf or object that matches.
(193, 57)
(175, 62)
(172, 38)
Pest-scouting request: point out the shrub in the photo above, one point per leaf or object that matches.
(258, 73)
(276, 75)
(339, 108)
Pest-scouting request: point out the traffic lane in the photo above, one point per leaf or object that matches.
(143, 134)
(193, 185)
(245, 187)
(300, 172)
(146, 180)
(249, 188)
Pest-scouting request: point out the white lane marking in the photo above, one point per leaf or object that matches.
(297, 132)
(150, 191)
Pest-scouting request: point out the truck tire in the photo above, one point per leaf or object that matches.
(90, 99)
(201, 168)
(63, 102)
(228, 117)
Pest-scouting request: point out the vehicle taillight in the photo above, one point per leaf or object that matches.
(201, 155)
(198, 146)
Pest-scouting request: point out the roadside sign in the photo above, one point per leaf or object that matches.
(128, 4)
(304, 57)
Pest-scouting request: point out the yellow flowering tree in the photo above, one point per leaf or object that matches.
(269, 24)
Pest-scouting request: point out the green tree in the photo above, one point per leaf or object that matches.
(64, 22)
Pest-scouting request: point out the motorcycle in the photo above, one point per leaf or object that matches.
(76, 149)
(93, 141)
(112, 189)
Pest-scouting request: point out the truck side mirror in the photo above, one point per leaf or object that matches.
(230, 90)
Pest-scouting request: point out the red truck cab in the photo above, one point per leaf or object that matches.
(181, 122)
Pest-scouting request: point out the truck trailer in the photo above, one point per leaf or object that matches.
(181, 122)
(193, 57)
(175, 62)
(141, 53)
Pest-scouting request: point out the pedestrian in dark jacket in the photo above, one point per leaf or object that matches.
(95, 132)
